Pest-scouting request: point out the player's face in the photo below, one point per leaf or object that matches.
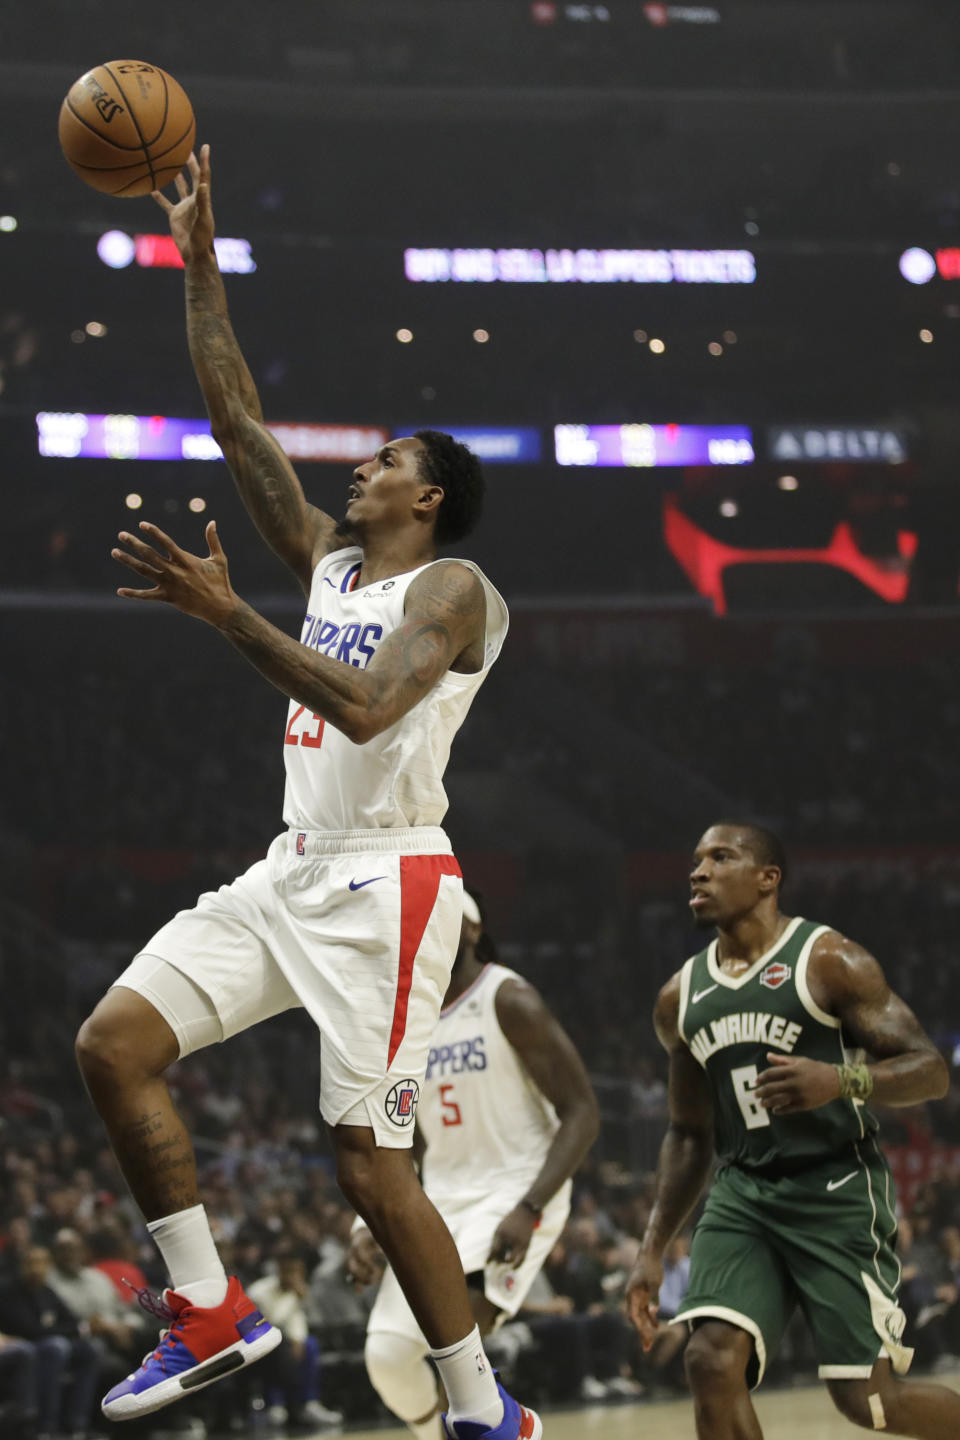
(384, 490)
(725, 881)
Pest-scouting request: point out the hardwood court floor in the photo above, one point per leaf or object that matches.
(805, 1414)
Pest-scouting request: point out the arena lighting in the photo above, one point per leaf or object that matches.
(919, 266)
(8, 223)
(117, 249)
(589, 267)
(494, 444)
(705, 559)
(650, 445)
(158, 437)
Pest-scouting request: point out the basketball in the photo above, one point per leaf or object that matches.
(126, 127)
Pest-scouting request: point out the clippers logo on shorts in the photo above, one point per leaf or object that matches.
(775, 975)
(401, 1102)
(301, 844)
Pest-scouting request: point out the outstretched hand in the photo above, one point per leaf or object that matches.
(191, 219)
(198, 585)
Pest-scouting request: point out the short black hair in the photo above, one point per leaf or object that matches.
(485, 948)
(454, 467)
(765, 847)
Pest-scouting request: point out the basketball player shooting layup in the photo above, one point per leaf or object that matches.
(802, 1209)
(506, 1116)
(355, 911)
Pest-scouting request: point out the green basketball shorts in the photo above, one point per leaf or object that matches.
(823, 1240)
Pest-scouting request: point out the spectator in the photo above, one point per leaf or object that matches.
(118, 1333)
(64, 1365)
(290, 1374)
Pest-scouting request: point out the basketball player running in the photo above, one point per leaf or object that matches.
(506, 1116)
(355, 911)
(801, 1210)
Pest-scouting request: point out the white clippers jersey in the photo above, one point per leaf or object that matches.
(487, 1126)
(396, 779)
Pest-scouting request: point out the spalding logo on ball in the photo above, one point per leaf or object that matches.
(127, 127)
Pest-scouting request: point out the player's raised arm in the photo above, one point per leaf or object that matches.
(551, 1059)
(905, 1067)
(684, 1164)
(297, 532)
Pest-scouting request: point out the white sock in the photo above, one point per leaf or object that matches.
(187, 1247)
(468, 1380)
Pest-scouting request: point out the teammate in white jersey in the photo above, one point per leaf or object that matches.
(355, 911)
(506, 1116)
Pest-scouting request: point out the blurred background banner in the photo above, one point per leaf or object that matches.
(686, 277)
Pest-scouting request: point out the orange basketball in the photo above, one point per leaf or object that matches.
(127, 127)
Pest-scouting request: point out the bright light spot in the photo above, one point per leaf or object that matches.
(481, 336)
(926, 336)
(729, 337)
(78, 336)
(752, 228)
(657, 346)
(94, 327)
(404, 336)
(640, 336)
(917, 265)
(197, 505)
(788, 482)
(715, 348)
(729, 508)
(8, 223)
(133, 501)
(117, 249)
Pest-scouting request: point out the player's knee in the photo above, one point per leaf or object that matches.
(400, 1374)
(716, 1358)
(859, 1404)
(373, 1180)
(117, 1043)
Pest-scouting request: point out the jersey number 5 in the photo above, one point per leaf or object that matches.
(744, 1080)
(312, 741)
(451, 1110)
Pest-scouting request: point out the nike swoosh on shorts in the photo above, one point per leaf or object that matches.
(835, 1184)
(359, 884)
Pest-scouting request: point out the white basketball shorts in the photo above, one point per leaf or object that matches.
(473, 1225)
(359, 928)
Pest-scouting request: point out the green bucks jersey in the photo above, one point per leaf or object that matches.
(731, 1023)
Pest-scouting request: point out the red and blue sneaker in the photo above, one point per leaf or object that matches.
(201, 1345)
(518, 1423)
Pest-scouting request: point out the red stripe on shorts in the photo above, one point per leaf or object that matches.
(419, 884)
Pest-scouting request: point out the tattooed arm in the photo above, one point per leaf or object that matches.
(298, 533)
(443, 628)
(905, 1067)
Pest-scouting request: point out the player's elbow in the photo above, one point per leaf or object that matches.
(590, 1119)
(939, 1078)
(361, 724)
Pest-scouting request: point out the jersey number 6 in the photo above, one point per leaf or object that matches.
(744, 1081)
